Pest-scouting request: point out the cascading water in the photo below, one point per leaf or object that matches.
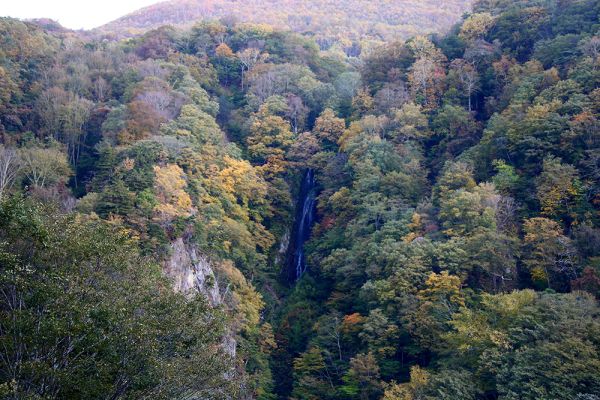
(305, 217)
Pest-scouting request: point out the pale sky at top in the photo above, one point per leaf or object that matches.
(74, 14)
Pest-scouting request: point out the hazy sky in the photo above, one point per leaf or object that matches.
(74, 14)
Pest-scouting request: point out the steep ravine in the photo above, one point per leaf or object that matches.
(305, 218)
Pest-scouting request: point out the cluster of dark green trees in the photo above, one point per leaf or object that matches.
(84, 316)
(456, 253)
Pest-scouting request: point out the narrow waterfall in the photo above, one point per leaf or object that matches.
(305, 216)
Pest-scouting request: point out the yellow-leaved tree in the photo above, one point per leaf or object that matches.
(169, 185)
(411, 390)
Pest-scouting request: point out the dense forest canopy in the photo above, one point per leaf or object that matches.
(442, 193)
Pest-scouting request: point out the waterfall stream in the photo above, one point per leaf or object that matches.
(305, 216)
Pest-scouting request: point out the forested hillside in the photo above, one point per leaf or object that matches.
(350, 25)
(235, 211)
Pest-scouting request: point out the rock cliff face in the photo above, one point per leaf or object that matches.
(191, 273)
(284, 244)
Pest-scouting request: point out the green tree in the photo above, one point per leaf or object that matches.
(548, 255)
(559, 190)
(362, 379)
(464, 211)
(85, 316)
(313, 381)
(44, 166)
(527, 345)
(328, 128)
(506, 178)
(438, 301)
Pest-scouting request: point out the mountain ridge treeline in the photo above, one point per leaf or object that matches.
(349, 25)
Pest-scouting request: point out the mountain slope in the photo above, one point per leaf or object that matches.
(329, 20)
